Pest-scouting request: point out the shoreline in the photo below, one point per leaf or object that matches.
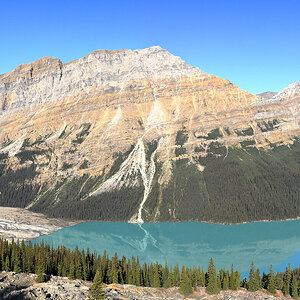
(22, 224)
(176, 222)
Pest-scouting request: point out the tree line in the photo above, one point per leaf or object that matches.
(43, 259)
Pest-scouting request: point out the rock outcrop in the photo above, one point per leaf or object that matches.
(23, 286)
(123, 120)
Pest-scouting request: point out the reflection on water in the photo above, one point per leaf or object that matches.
(190, 243)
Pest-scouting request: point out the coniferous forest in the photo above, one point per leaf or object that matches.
(248, 185)
(44, 260)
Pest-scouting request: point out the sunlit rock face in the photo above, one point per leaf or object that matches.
(120, 122)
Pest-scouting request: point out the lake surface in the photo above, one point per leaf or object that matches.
(193, 244)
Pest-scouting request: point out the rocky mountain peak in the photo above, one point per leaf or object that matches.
(290, 91)
(121, 127)
(266, 95)
(47, 79)
(30, 70)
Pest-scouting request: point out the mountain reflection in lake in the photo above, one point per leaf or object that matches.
(190, 243)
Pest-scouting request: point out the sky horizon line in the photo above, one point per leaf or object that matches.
(252, 43)
(65, 62)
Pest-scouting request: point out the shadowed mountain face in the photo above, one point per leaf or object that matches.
(142, 136)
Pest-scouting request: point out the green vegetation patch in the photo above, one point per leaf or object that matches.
(119, 159)
(66, 166)
(268, 126)
(150, 148)
(246, 144)
(244, 132)
(242, 186)
(84, 164)
(86, 265)
(80, 137)
(181, 138)
(16, 189)
(29, 155)
(70, 199)
(212, 135)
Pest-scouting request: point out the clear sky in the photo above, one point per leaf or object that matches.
(253, 43)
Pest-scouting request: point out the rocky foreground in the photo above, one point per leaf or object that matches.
(23, 286)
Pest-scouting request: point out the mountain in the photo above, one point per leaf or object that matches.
(143, 136)
(266, 95)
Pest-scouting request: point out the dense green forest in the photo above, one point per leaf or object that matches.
(45, 260)
(248, 185)
(235, 185)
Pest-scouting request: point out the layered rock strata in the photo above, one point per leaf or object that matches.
(122, 120)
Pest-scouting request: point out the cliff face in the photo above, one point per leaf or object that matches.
(138, 135)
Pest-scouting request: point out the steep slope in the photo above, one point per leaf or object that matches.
(142, 136)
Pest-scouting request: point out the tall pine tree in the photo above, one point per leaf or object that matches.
(271, 286)
(185, 286)
(287, 281)
(252, 286)
(294, 288)
(212, 282)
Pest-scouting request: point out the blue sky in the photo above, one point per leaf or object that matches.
(255, 44)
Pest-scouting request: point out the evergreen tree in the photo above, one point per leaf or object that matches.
(225, 283)
(156, 276)
(271, 287)
(96, 290)
(252, 285)
(176, 276)
(212, 282)
(137, 273)
(202, 278)
(287, 281)
(257, 279)
(234, 279)
(279, 281)
(219, 284)
(145, 275)
(166, 276)
(71, 273)
(43, 259)
(294, 288)
(40, 272)
(7, 267)
(185, 286)
(264, 280)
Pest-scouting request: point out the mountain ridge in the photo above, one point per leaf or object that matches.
(123, 124)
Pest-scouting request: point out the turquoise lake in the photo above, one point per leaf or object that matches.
(193, 244)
